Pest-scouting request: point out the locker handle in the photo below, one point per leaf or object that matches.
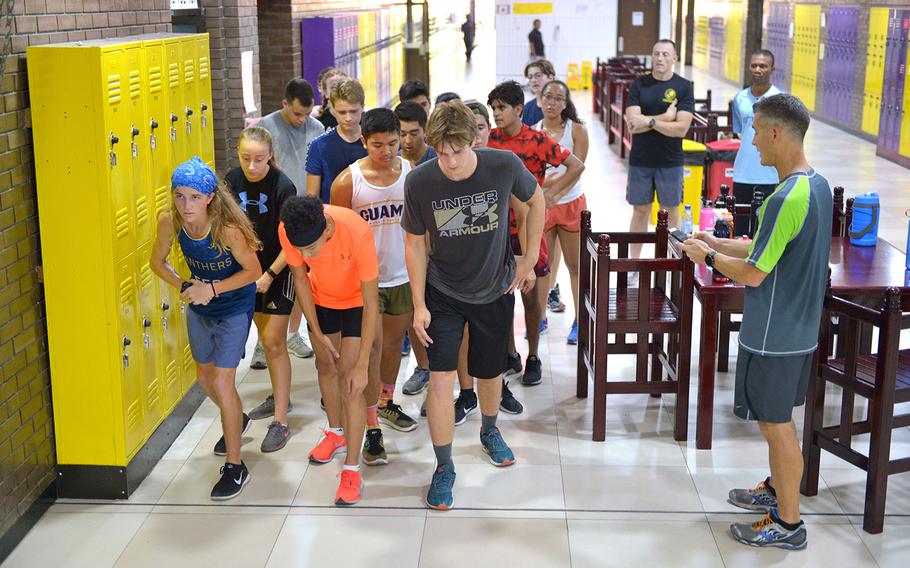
(146, 322)
(126, 342)
(114, 139)
(165, 307)
(154, 124)
(173, 117)
(204, 107)
(189, 111)
(135, 131)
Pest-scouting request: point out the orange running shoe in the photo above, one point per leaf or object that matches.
(350, 488)
(328, 446)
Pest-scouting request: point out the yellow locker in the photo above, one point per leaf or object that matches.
(875, 69)
(204, 78)
(134, 427)
(733, 67)
(189, 59)
(143, 195)
(157, 139)
(805, 52)
(904, 148)
(176, 122)
(152, 371)
(700, 57)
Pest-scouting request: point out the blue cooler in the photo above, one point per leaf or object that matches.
(863, 229)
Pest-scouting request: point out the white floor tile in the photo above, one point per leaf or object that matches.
(891, 549)
(272, 483)
(629, 488)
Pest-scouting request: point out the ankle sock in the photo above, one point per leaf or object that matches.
(347, 467)
(336, 431)
(386, 395)
(372, 417)
(487, 422)
(788, 526)
(468, 393)
(443, 454)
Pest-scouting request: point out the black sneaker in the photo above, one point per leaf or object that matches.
(533, 370)
(509, 403)
(233, 478)
(465, 405)
(373, 449)
(221, 447)
(514, 366)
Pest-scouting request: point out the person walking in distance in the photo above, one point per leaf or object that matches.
(785, 271)
(535, 42)
(467, 30)
(220, 246)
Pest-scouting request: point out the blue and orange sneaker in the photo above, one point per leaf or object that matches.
(440, 496)
(759, 498)
(495, 447)
(769, 532)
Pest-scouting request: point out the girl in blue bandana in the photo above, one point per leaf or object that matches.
(220, 246)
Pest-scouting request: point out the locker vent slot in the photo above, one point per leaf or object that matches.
(173, 75)
(189, 70)
(113, 88)
(162, 199)
(145, 276)
(155, 79)
(204, 67)
(142, 210)
(133, 414)
(152, 393)
(170, 374)
(135, 84)
(122, 223)
(127, 289)
(188, 362)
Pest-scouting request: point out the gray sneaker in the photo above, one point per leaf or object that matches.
(258, 361)
(417, 382)
(769, 532)
(760, 498)
(276, 437)
(267, 409)
(298, 346)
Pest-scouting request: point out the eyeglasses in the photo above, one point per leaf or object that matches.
(554, 99)
(536, 76)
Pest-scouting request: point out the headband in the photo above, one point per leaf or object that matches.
(195, 174)
(305, 236)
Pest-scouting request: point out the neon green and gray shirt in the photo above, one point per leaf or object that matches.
(792, 245)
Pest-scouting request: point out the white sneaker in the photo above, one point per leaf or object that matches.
(299, 347)
(258, 361)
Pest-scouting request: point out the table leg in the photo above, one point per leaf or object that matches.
(706, 358)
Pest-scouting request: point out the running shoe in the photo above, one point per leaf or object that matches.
(759, 498)
(328, 446)
(465, 405)
(769, 532)
(544, 327)
(440, 496)
(373, 449)
(418, 381)
(350, 489)
(554, 302)
(233, 479)
(508, 402)
(393, 417)
(406, 346)
(572, 338)
(533, 372)
(495, 447)
(423, 407)
(221, 446)
(267, 409)
(514, 365)
(298, 346)
(275, 438)
(258, 361)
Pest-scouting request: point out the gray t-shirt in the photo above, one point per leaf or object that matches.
(291, 145)
(468, 222)
(792, 245)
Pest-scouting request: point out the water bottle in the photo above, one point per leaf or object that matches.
(757, 199)
(706, 217)
(863, 230)
(721, 231)
(687, 220)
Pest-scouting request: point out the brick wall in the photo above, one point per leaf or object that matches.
(27, 456)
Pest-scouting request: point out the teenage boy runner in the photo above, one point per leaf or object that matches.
(417, 92)
(338, 148)
(292, 129)
(537, 151)
(261, 189)
(374, 188)
(339, 297)
(461, 200)
(538, 73)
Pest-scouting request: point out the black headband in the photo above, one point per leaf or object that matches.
(305, 236)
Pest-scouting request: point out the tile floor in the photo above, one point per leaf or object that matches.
(638, 499)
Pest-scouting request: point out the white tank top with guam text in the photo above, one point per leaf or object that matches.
(568, 143)
(382, 207)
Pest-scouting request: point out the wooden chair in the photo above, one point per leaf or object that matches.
(658, 311)
(882, 378)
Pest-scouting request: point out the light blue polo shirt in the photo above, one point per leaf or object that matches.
(747, 168)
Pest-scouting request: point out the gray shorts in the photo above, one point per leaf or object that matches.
(768, 388)
(644, 181)
(218, 341)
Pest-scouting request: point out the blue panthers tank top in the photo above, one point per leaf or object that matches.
(206, 263)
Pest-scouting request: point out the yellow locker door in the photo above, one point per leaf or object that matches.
(152, 369)
(131, 365)
(176, 123)
(733, 43)
(187, 364)
(188, 61)
(156, 140)
(117, 158)
(805, 52)
(875, 69)
(138, 151)
(168, 322)
(204, 79)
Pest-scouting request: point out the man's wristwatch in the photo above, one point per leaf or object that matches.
(652, 122)
(709, 259)
(271, 273)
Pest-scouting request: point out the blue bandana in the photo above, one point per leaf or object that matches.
(195, 174)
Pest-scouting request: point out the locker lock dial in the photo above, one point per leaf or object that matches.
(202, 120)
(146, 339)
(164, 309)
(113, 155)
(126, 357)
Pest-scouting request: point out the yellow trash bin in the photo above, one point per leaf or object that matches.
(693, 179)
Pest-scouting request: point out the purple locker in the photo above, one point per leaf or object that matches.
(900, 69)
(318, 43)
(840, 63)
(889, 124)
(779, 43)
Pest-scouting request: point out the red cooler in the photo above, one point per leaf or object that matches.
(721, 155)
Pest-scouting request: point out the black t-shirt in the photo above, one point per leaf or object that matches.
(536, 38)
(262, 202)
(652, 149)
(327, 119)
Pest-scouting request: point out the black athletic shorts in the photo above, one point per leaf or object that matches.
(489, 326)
(768, 388)
(279, 298)
(346, 321)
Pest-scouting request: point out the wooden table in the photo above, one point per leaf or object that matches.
(856, 272)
